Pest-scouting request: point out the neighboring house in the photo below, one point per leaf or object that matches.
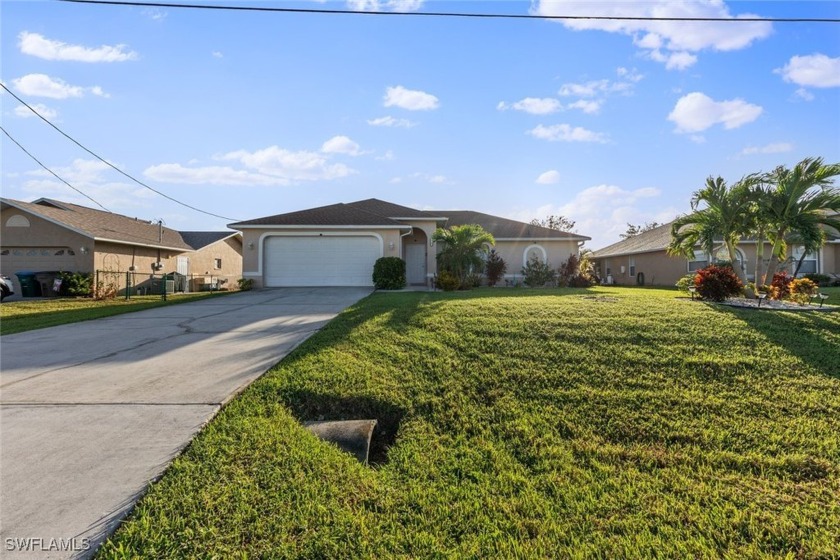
(337, 245)
(50, 235)
(643, 257)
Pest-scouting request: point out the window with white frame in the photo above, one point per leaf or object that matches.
(217, 263)
(809, 264)
(698, 261)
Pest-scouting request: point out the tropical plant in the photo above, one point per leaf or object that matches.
(684, 282)
(447, 281)
(780, 285)
(494, 268)
(802, 290)
(716, 283)
(537, 273)
(797, 205)
(245, 284)
(568, 270)
(389, 273)
(76, 283)
(462, 249)
(722, 217)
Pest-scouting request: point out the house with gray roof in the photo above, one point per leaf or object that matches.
(338, 244)
(643, 259)
(51, 235)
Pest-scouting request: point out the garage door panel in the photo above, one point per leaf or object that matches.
(320, 260)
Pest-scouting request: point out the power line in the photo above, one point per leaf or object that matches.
(53, 173)
(108, 163)
(447, 14)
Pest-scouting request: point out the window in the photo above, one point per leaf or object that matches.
(17, 221)
(699, 261)
(632, 266)
(809, 265)
(217, 263)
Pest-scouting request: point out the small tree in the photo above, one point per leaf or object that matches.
(560, 223)
(634, 230)
(461, 249)
(494, 268)
(537, 273)
(568, 270)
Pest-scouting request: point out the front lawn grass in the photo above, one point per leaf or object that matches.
(27, 315)
(601, 423)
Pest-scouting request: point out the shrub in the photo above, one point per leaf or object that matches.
(780, 286)
(494, 268)
(819, 279)
(76, 284)
(802, 290)
(472, 280)
(245, 284)
(716, 283)
(581, 281)
(537, 273)
(389, 273)
(568, 270)
(447, 281)
(684, 282)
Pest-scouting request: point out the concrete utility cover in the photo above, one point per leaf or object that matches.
(92, 412)
(352, 436)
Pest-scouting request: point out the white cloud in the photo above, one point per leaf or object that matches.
(777, 148)
(412, 100)
(566, 133)
(551, 177)
(218, 54)
(587, 106)
(391, 121)
(175, 173)
(696, 112)
(341, 145)
(91, 177)
(155, 14)
(533, 105)
(37, 45)
(603, 211)
(41, 85)
(387, 156)
(24, 113)
(385, 6)
(587, 89)
(804, 94)
(815, 70)
(672, 36)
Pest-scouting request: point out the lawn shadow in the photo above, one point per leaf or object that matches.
(308, 406)
(806, 335)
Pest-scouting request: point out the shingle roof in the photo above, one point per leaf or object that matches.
(199, 239)
(502, 228)
(391, 210)
(332, 215)
(656, 239)
(102, 225)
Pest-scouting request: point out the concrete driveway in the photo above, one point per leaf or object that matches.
(91, 412)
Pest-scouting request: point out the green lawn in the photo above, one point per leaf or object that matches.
(27, 315)
(602, 423)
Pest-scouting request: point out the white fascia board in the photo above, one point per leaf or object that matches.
(325, 227)
(147, 245)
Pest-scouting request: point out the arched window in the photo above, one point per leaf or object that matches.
(17, 221)
(534, 251)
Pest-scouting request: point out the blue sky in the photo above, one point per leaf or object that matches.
(252, 114)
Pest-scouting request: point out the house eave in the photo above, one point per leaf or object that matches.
(316, 227)
(575, 238)
(147, 245)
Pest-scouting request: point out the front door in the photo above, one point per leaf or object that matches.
(415, 263)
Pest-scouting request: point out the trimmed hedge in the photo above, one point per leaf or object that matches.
(389, 273)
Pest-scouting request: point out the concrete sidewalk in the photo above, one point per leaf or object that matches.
(93, 411)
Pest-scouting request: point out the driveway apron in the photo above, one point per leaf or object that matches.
(91, 412)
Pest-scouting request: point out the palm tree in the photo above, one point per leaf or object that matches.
(724, 217)
(462, 249)
(799, 203)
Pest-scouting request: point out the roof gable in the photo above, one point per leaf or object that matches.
(101, 225)
(503, 228)
(656, 239)
(333, 215)
(391, 210)
(200, 239)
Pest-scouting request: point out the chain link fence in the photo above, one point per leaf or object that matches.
(109, 283)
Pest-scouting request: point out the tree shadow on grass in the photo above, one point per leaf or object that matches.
(307, 406)
(813, 337)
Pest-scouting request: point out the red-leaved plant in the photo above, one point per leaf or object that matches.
(716, 283)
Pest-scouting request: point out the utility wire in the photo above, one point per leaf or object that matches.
(108, 163)
(50, 171)
(445, 14)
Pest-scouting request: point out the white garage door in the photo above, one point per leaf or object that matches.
(320, 261)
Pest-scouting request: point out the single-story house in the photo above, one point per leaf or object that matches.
(337, 245)
(643, 259)
(50, 235)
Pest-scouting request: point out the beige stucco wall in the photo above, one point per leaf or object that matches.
(229, 250)
(831, 258)
(425, 238)
(253, 242)
(513, 253)
(120, 258)
(658, 267)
